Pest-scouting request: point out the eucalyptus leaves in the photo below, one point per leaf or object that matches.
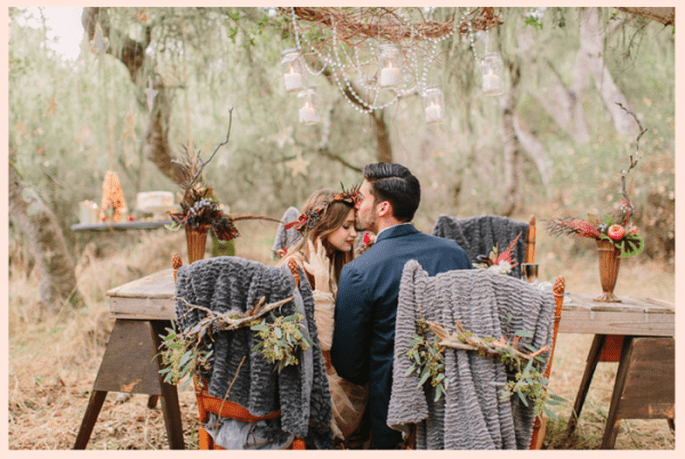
(280, 337)
(523, 361)
(427, 359)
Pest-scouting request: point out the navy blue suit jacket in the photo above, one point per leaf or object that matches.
(365, 310)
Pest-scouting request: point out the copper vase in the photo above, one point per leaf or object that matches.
(197, 242)
(608, 269)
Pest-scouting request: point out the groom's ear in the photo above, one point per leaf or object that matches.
(384, 208)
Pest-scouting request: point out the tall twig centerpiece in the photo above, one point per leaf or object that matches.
(200, 211)
(615, 235)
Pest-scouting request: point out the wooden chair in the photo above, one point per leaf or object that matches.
(530, 242)
(540, 425)
(457, 230)
(207, 404)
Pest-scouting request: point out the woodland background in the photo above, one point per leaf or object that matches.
(553, 145)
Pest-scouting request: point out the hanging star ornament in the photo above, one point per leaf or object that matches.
(151, 94)
(298, 165)
(284, 136)
(99, 43)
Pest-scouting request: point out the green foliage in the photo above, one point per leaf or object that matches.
(527, 381)
(532, 21)
(528, 384)
(183, 357)
(428, 360)
(281, 339)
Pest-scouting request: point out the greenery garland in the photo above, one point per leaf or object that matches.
(528, 382)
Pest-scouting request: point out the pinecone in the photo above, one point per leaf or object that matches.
(176, 262)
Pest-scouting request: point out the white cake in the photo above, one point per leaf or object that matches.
(155, 202)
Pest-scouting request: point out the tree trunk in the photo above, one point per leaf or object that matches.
(591, 46)
(562, 104)
(132, 54)
(510, 144)
(47, 244)
(665, 16)
(536, 151)
(382, 136)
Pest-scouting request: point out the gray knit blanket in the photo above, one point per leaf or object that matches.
(471, 414)
(301, 391)
(478, 235)
(286, 237)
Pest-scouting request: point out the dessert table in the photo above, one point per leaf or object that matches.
(144, 307)
(121, 226)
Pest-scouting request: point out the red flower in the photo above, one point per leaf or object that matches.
(616, 232)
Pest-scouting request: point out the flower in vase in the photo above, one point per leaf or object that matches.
(614, 227)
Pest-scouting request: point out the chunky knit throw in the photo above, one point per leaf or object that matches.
(286, 237)
(478, 235)
(471, 414)
(301, 392)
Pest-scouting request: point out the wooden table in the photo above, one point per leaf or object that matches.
(149, 301)
(643, 329)
(131, 362)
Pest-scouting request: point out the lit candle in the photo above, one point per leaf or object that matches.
(433, 113)
(492, 84)
(308, 114)
(390, 76)
(293, 80)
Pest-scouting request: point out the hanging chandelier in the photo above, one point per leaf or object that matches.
(377, 55)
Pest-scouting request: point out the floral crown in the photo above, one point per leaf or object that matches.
(308, 220)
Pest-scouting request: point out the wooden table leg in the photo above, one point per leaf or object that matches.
(611, 427)
(131, 364)
(170, 407)
(591, 365)
(645, 384)
(97, 398)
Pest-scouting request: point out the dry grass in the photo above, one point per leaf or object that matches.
(53, 361)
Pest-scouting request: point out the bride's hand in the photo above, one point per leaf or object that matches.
(318, 266)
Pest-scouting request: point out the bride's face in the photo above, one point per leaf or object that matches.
(343, 238)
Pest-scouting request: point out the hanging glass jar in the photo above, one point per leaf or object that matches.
(493, 81)
(390, 64)
(433, 104)
(294, 71)
(307, 104)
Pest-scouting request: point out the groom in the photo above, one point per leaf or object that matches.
(366, 304)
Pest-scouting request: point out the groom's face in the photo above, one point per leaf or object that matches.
(367, 220)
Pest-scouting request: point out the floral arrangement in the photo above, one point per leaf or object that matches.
(501, 263)
(614, 227)
(199, 208)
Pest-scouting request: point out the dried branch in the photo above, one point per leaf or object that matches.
(466, 341)
(231, 320)
(228, 391)
(204, 163)
(633, 158)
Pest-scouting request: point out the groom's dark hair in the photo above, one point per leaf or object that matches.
(395, 184)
